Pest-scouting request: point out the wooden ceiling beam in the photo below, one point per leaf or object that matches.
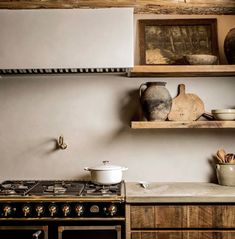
(201, 7)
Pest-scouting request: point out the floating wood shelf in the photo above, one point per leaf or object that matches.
(182, 125)
(182, 70)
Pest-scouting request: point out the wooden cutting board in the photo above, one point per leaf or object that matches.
(186, 107)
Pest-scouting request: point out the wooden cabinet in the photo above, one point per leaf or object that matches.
(180, 221)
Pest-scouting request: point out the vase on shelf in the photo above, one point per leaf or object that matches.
(229, 46)
(155, 100)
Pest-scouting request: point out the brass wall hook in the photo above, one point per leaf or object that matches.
(61, 144)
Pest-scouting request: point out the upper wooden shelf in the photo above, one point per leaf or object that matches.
(182, 70)
(182, 125)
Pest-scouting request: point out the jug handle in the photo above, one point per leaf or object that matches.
(140, 89)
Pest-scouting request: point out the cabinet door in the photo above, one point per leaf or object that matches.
(142, 216)
(159, 216)
(170, 216)
(216, 216)
(183, 235)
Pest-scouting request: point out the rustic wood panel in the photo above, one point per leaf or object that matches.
(220, 216)
(211, 235)
(128, 221)
(159, 235)
(171, 216)
(183, 235)
(142, 217)
(141, 6)
(182, 125)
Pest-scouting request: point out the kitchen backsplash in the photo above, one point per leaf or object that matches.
(93, 112)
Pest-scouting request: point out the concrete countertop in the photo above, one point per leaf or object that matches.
(179, 193)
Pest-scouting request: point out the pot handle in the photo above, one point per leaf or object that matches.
(87, 169)
(124, 168)
(140, 89)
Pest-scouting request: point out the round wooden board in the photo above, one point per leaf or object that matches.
(186, 107)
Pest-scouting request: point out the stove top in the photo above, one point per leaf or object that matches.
(58, 188)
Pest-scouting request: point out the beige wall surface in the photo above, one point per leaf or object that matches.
(93, 112)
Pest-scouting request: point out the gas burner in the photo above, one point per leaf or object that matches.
(55, 190)
(92, 189)
(16, 187)
(8, 192)
(58, 188)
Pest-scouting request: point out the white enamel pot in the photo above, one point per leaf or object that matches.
(106, 173)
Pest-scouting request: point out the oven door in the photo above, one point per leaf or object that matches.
(91, 232)
(24, 232)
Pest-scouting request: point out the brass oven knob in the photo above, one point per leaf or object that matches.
(79, 209)
(7, 210)
(26, 210)
(39, 210)
(66, 210)
(111, 210)
(52, 210)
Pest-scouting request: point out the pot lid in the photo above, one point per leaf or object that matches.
(106, 166)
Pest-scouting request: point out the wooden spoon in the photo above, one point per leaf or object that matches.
(221, 153)
(220, 160)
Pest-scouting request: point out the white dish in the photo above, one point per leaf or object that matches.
(225, 111)
(201, 59)
(224, 114)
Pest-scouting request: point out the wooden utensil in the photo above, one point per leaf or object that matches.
(186, 107)
(221, 154)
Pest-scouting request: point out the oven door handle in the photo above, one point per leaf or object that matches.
(36, 234)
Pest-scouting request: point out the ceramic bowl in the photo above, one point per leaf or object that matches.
(224, 114)
(201, 59)
(226, 174)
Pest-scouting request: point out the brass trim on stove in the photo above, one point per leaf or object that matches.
(65, 219)
(62, 199)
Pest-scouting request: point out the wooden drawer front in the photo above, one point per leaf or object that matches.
(218, 216)
(183, 235)
(170, 216)
(159, 235)
(142, 217)
(183, 216)
(158, 216)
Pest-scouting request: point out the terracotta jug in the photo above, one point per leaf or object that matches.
(229, 46)
(155, 100)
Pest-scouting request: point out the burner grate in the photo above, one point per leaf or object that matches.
(54, 188)
(92, 189)
(16, 187)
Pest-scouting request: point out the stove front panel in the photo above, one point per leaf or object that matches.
(63, 210)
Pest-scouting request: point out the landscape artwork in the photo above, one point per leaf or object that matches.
(168, 41)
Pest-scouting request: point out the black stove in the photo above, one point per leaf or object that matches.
(61, 209)
(60, 199)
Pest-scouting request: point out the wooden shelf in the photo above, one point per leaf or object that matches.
(182, 70)
(182, 125)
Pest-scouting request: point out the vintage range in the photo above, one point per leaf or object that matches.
(61, 210)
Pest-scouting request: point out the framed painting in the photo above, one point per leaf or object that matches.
(166, 42)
